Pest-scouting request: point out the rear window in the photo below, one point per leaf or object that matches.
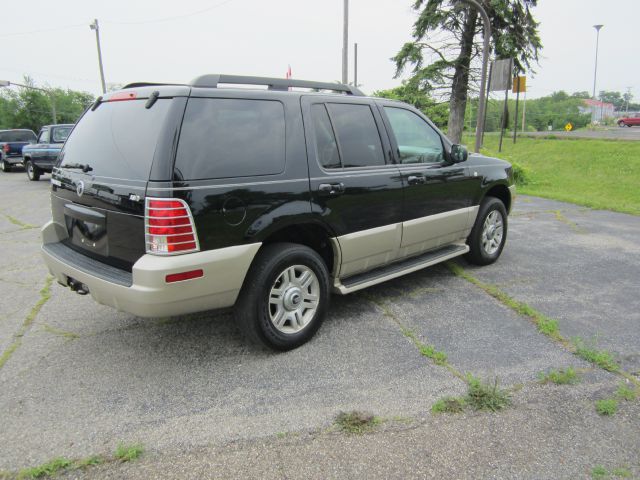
(224, 137)
(18, 136)
(117, 139)
(60, 134)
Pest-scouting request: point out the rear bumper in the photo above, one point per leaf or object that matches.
(13, 159)
(144, 292)
(46, 165)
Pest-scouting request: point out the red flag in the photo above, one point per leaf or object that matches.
(288, 74)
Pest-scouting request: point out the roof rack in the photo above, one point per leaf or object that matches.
(148, 84)
(282, 84)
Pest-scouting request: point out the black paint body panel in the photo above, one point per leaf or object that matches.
(241, 210)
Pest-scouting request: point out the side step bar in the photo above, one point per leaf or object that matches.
(397, 269)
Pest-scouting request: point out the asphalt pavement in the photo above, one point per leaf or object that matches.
(78, 378)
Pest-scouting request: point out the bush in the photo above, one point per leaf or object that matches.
(520, 174)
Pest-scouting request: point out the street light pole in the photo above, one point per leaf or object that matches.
(94, 26)
(595, 71)
(483, 80)
(7, 83)
(345, 43)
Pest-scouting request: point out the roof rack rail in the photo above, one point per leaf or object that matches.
(281, 84)
(149, 84)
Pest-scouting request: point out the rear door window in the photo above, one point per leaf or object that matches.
(60, 134)
(358, 137)
(117, 139)
(225, 137)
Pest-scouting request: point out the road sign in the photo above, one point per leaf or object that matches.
(519, 85)
(500, 75)
(568, 127)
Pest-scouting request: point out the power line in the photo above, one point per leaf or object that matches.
(168, 19)
(44, 30)
(114, 22)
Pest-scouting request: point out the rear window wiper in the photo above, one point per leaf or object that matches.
(84, 167)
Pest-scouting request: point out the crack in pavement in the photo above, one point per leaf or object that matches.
(45, 295)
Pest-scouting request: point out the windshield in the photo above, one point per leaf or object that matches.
(60, 134)
(18, 136)
(117, 139)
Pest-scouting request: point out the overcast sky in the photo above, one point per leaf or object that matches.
(149, 40)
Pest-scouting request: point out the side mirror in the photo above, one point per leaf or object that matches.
(459, 153)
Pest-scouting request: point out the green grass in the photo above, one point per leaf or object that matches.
(429, 351)
(624, 392)
(357, 422)
(547, 326)
(607, 407)
(590, 353)
(598, 472)
(485, 396)
(602, 174)
(46, 469)
(560, 377)
(621, 472)
(449, 405)
(126, 453)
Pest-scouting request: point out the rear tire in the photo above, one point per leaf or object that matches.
(489, 233)
(621, 124)
(285, 296)
(33, 172)
(5, 166)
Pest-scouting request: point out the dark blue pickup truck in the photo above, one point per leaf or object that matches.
(11, 144)
(41, 156)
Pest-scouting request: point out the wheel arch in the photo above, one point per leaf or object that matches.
(502, 193)
(314, 235)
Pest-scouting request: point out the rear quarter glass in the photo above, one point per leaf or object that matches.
(117, 139)
(225, 137)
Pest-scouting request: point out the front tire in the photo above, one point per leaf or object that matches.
(5, 166)
(285, 296)
(33, 172)
(621, 124)
(489, 233)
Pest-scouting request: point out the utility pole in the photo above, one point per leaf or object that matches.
(594, 112)
(94, 26)
(345, 43)
(524, 108)
(628, 98)
(355, 65)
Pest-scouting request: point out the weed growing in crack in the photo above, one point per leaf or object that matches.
(126, 453)
(560, 377)
(607, 407)
(46, 469)
(484, 396)
(449, 405)
(627, 393)
(356, 422)
(590, 353)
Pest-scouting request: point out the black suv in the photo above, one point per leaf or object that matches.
(170, 199)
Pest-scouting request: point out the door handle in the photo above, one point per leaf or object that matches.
(415, 180)
(331, 189)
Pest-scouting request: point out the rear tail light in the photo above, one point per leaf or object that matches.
(6, 148)
(169, 227)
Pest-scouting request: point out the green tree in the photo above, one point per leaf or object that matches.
(27, 108)
(443, 48)
(613, 97)
(408, 93)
